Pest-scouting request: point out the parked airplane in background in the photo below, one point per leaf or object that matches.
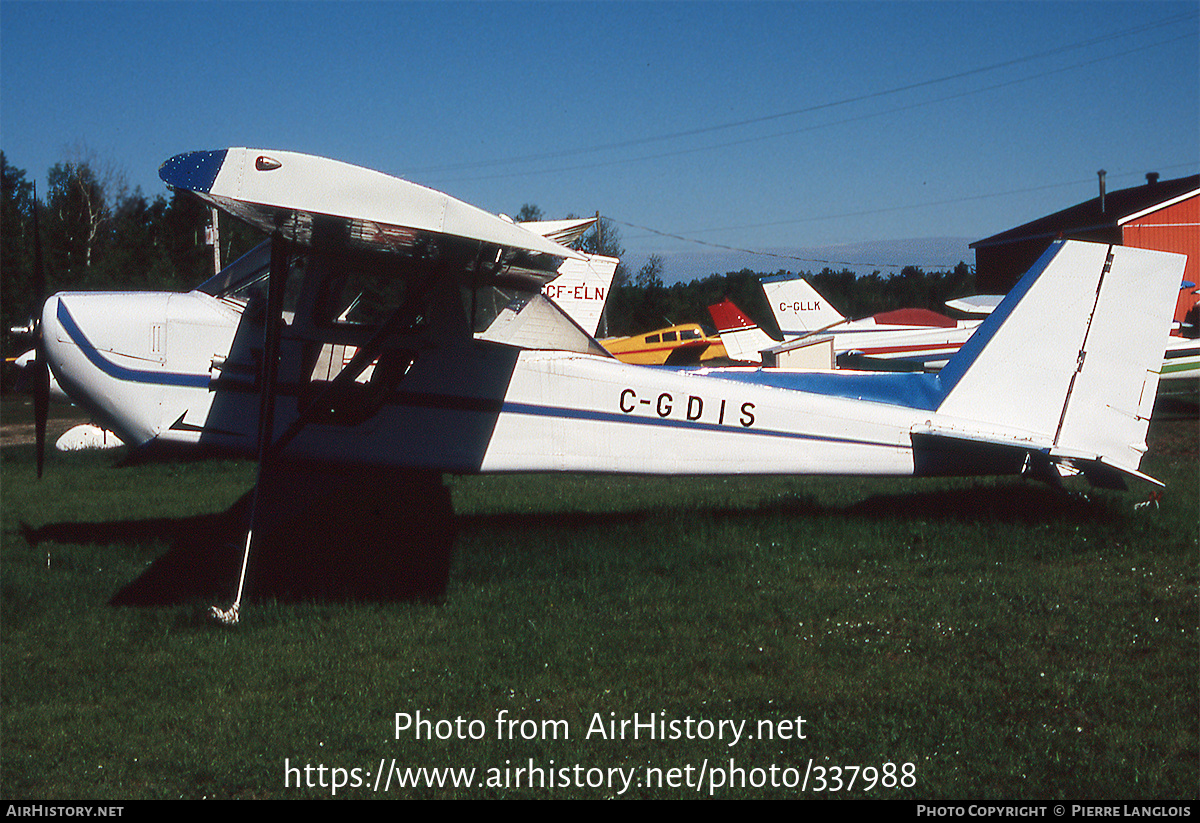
(682, 345)
(918, 335)
(1181, 366)
(744, 340)
(581, 288)
(460, 364)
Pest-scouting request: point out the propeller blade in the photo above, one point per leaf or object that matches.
(41, 369)
(41, 402)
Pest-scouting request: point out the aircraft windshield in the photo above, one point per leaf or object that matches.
(246, 278)
(248, 269)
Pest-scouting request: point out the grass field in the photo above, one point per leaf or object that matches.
(988, 639)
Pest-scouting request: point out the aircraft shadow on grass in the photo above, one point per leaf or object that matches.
(385, 555)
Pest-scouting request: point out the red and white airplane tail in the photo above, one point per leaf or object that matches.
(742, 337)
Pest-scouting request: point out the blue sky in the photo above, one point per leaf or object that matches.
(757, 126)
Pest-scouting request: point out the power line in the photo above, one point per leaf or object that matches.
(760, 138)
(711, 244)
(930, 204)
(776, 255)
(817, 107)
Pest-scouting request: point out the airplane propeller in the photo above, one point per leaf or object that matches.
(39, 368)
(41, 399)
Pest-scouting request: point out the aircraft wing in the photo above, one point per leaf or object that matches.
(976, 305)
(293, 193)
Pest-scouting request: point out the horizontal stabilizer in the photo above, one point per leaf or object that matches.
(560, 231)
(977, 305)
(938, 454)
(743, 339)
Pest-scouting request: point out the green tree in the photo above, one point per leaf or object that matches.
(650, 274)
(18, 300)
(529, 213)
(78, 210)
(132, 255)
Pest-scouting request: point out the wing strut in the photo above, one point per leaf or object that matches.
(272, 327)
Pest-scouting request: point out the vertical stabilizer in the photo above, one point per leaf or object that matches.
(581, 289)
(1108, 409)
(797, 306)
(741, 336)
(1069, 361)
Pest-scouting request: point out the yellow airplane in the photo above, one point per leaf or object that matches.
(681, 345)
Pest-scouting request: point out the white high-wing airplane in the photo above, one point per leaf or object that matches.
(580, 290)
(917, 335)
(389, 325)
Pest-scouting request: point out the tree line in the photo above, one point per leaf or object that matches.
(97, 234)
(646, 303)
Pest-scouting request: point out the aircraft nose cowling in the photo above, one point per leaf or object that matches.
(105, 350)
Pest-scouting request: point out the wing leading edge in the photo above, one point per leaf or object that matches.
(291, 192)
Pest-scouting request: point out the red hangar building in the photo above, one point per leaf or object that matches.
(1160, 214)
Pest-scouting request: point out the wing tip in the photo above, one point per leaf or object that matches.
(194, 170)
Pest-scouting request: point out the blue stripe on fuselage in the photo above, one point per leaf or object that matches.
(914, 390)
(121, 372)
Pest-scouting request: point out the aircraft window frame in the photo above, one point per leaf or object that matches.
(343, 284)
(244, 280)
(241, 274)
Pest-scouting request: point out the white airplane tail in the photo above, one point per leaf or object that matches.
(797, 306)
(581, 289)
(1067, 366)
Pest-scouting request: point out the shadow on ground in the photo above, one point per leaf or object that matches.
(389, 537)
(380, 536)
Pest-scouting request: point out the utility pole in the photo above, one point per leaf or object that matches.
(603, 330)
(215, 238)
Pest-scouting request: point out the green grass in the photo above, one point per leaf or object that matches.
(1007, 640)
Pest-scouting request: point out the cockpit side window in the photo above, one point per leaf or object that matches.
(241, 273)
(360, 292)
(245, 279)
